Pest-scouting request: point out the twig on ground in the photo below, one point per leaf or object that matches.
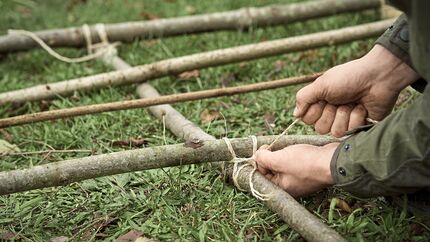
(140, 103)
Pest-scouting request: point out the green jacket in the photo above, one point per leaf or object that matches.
(393, 157)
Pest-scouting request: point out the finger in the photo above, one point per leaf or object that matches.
(324, 123)
(341, 120)
(267, 160)
(264, 147)
(307, 96)
(314, 113)
(357, 117)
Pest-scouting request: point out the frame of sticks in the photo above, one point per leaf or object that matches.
(68, 171)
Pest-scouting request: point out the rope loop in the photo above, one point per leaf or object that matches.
(104, 47)
(240, 163)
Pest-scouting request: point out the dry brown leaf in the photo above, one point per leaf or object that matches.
(279, 65)
(6, 235)
(208, 116)
(44, 105)
(189, 74)
(343, 205)
(148, 15)
(138, 142)
(227, 78)
(130, 236)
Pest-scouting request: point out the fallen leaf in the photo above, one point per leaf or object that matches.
(138, 142)
(60, 239)
(343, 205)
(227, 78)
(102, 221)
(130, 236)
(279, 65)
(73, 3)
(148, 16)
(44, 105)
(7, 148)
(5, 235)
(309, 55)
(208, 116)
(189, 74)
(269, 120)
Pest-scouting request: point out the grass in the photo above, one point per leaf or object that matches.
(182, 203)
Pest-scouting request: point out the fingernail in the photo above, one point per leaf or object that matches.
(296, 111)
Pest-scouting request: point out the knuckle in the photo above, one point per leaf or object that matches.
(342, 110)
(321, 129)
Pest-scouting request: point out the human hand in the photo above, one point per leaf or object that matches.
(345, 95)
(298, 169)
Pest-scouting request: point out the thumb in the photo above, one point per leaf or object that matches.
(267, 159)
(307, 96)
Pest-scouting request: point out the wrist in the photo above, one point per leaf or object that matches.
(389, 69)
(326, 157)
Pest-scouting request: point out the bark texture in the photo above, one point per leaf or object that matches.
(156, 100)
(68, 171)
(196, 61)
(230, 20)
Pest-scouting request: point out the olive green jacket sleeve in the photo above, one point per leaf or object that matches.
(396, 40)
(393, 157)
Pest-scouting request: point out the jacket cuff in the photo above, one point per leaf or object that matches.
(341, 168)
(396, 39)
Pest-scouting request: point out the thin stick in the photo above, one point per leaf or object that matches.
(196, 61)
(230, 20)
(140, 103)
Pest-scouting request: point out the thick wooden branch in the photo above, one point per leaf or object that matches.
(68, 171)
(196, 61)
(231, 20)
(146, 102)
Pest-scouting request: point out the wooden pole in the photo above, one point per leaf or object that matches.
(146, 102)
(230, 20)
(201, 60)
(68, 171)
